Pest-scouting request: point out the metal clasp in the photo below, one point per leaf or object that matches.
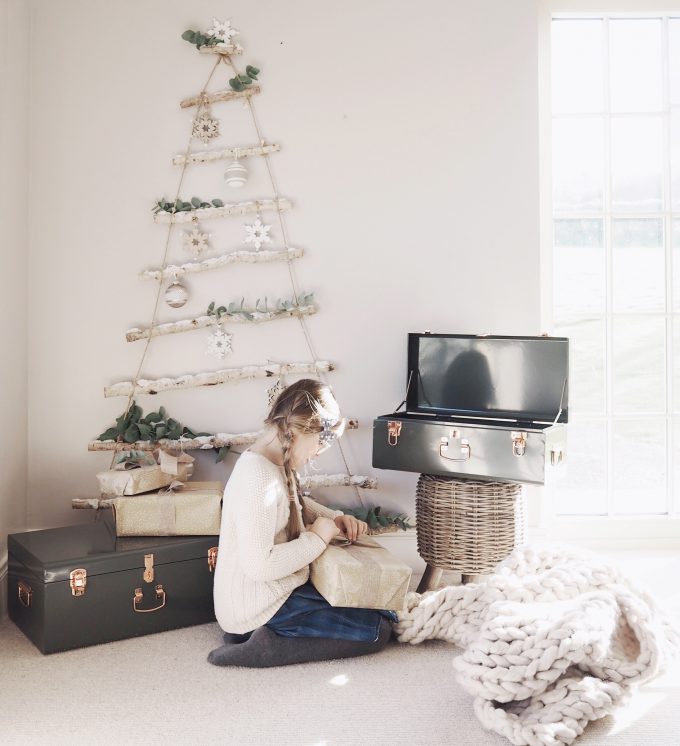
(519, 442)
(464, 447)
(148, 568)
(393, 431)
(556, 456)
(78, 581)
(25, 593)
(212, 558)
(160, 593)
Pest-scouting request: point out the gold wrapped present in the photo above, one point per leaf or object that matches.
(192, 509)
(363, 575)
(137, 472)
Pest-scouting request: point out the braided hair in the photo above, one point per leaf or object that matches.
(306, 406)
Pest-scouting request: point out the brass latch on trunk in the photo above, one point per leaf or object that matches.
(212, 558)
(556, 456)
(78, 581)
(148, 568)
(519, 442)
(25, 593)
(393, 431)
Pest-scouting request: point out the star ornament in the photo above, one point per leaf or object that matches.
(205, 128)
(196, 241)
(222, 30)
(257, 233)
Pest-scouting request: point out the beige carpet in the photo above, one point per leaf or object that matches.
(159, 690)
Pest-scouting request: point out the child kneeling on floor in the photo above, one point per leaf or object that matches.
(270, 612)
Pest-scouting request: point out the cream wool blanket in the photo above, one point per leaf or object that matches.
(553, 639)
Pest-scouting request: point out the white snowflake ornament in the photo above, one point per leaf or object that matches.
(219, 344)
(222, 30)
(196, 241)
(257, 233)
(205, 128)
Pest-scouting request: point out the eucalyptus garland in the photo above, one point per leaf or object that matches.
(200, 39)
(241, 81)
(375, 518)
(234, 309)
(180, 206)
(131, 427)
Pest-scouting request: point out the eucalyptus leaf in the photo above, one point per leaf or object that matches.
(218, 202)
(252, 71)
(144, 431)
(131, 434)
(110, 434)
(195, 201)
(189, 35)
(221, 453)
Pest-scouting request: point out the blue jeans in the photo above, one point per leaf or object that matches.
(306, 613)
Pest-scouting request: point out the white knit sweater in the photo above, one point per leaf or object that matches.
(257, 567)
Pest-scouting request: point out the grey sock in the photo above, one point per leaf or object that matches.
(265, 649)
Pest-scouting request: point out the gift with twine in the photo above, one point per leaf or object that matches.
(192, 509)
(362, 574)
(136, 472)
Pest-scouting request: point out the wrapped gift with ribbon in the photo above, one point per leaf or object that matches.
(192, 509)
(362, 574)
(135, 472)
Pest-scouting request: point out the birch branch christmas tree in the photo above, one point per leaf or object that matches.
(263, 242)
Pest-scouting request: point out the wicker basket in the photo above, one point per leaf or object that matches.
(468, 526)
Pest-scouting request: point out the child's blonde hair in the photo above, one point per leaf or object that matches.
(306, 406)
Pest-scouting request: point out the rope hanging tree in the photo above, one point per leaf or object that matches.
(178, 212)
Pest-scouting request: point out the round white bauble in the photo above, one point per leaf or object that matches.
(236, 174)
(176, 295)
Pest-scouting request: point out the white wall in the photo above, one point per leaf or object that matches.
(409, 134)
(14, 65)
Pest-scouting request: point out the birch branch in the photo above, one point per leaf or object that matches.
(202, 322)
(205, 156)
(235, 208)
(338, 480)
(320, 480)
(223, 49)
(213, 378)
(215, 262)
(202, 442)
(226, 95)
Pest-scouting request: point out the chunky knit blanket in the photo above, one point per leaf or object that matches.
(553, 639)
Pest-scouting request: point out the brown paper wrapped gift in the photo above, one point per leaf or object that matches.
(138, 472)
(191, 509)
(362, 575)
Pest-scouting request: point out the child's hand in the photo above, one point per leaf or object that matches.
(352, 526)
(325, 528)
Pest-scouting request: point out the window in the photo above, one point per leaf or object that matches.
(616, 259)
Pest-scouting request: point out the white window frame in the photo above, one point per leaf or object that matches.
(637, 532)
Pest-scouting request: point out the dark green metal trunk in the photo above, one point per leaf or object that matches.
(120, 599)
